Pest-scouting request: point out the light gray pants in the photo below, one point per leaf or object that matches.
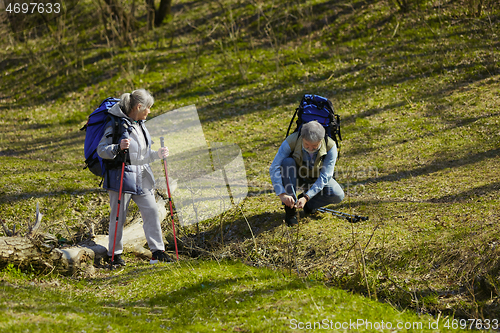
(150, 217)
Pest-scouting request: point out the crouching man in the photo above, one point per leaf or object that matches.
(306, 159)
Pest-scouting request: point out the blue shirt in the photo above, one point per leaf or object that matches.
(326, 170)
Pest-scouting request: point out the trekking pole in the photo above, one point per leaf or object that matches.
(349, 217)
(169, 198)
(293, 191)
(297, 234)
(119, 202)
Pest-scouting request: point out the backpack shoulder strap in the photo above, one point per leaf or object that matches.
(116, 128)
(292, 140)
(116, 133)
(330, 143)
(291, 122)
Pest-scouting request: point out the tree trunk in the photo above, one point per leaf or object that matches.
(150, 5)
(156, 17)
(126, 21)
(34, 253)
(163, 11)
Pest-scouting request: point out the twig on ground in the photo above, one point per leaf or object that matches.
(249, 227)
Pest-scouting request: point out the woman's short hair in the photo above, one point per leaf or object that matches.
(312, 131)
(129, 101)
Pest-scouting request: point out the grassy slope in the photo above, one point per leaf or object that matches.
(194, 296)
(418, 95)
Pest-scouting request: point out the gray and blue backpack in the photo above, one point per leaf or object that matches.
(94, 130)
(314, 107)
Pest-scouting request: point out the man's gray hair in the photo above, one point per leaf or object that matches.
(312, 131)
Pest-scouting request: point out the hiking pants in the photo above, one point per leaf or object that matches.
(330, 194)
(150, 217)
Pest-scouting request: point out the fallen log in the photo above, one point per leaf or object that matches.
(39, 251)
(34, 253)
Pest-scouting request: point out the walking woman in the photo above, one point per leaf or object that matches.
(138, 181)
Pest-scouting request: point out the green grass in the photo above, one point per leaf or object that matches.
(418, 94)
(66, 202)
(192, 296)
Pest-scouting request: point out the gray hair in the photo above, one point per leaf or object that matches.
(312, 131)
(129, 101)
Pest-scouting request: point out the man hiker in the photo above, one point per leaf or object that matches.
(306, 159)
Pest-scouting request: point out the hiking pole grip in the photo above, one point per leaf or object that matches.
(162, 144)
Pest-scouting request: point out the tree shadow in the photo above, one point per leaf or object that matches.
(436, 165)
(458, 123)
(13, 198)
(474, 193)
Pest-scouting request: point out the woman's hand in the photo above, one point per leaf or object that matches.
(163, 152)
(124, 144)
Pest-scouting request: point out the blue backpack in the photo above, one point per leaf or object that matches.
(95, 127)
(314, 107)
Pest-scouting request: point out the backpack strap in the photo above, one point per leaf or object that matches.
(116, 128)
(292, 140)
(116, 134)
(291, 121)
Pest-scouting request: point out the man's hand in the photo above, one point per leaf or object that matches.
(301, 203)
(289, 201)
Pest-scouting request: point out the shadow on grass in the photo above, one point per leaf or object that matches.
(14, 198)
(44, 147)
(455, 124)
(435, 166)
(211, 286)
(239, 231)
(474, 193)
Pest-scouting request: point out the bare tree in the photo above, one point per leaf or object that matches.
(125, 19)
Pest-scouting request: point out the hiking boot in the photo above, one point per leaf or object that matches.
(117, 261)
(308, 211)
(159, 256)
(290, 216)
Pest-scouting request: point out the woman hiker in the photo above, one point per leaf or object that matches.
(138, 181)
